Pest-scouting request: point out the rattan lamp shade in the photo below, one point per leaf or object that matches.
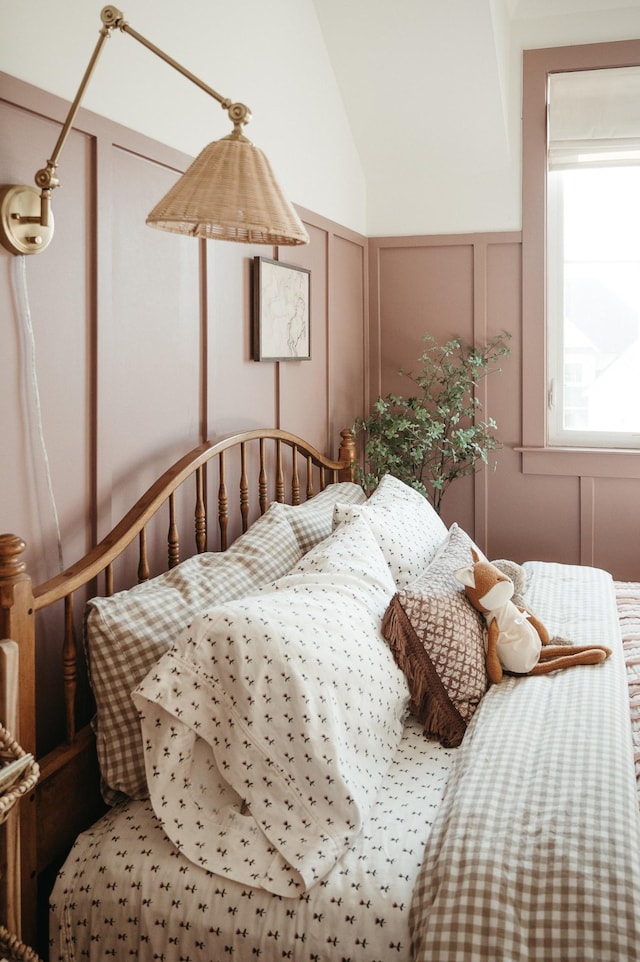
(230, 193)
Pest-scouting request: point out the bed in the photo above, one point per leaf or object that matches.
(266, 784)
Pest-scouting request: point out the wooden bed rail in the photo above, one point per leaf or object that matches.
(68, 767)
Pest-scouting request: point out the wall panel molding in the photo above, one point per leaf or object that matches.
(154, 328)
(443, 285)
(570, 506)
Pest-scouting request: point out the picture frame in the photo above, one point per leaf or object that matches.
(281, 322)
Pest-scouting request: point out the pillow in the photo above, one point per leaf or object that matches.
(405, 524)
(438, 639)
(126, 634)
(270, 727)
(312, 521)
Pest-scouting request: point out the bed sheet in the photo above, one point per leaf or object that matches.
(125, 891)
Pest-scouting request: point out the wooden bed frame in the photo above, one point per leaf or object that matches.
(67, 799)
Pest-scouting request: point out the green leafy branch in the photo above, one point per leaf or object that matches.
(435, 435)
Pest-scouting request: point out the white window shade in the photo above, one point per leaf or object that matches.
(594, 118)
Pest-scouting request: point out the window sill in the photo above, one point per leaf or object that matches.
(581, 462)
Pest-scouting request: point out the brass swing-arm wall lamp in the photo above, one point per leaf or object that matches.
(228, 193)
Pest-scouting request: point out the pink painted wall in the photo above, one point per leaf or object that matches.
(142, 346)
(143, 337)
(577, 511)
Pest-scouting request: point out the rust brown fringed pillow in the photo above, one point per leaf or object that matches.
(437, 638)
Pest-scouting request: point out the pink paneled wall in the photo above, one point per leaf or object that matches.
(471, 285)
(143, 337)
(142, 343)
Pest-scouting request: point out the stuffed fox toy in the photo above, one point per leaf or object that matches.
(516, 641)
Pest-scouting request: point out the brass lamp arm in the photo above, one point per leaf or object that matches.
(122, 24)
(46, 178)
(239, 114)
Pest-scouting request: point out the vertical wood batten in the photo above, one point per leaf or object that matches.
(480, 325)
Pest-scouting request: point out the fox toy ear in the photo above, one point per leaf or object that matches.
(465, 576)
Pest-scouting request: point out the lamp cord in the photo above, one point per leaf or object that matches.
(33, 400)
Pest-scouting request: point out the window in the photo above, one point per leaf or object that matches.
(541, 456)
(593, 258)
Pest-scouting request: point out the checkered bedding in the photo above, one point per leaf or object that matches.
(532, 848)
(535, 853)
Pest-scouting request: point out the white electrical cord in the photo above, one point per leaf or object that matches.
(32, 392)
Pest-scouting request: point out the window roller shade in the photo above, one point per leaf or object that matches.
(594, 118)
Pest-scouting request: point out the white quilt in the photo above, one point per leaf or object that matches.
(125, 891)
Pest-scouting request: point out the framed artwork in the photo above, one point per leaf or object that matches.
(281, 311)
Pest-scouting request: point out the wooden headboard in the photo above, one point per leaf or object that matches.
(241, 474)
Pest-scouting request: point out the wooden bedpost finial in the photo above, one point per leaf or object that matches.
(11, 565)
(348, 453)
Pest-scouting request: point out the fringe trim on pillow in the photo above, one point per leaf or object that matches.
(430, 701)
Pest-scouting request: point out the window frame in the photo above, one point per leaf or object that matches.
(540, 456)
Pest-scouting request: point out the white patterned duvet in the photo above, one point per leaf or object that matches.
(126, 893)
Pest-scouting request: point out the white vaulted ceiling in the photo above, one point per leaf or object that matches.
(432, 91)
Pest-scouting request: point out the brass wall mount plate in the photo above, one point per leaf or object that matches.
(20, 229)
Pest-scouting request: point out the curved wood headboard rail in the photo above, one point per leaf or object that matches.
(136, 519)
(59, 807)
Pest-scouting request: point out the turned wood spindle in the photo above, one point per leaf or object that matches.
(223, 504)
(262, 480)
(200, 512)
(69, 669)
(244, 488)
(173, 538)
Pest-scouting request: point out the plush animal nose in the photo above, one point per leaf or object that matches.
(499, 593)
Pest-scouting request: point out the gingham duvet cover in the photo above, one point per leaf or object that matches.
(535, 853)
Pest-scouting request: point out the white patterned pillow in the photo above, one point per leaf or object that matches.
(406, 526)
(269, 728)
(126, 634)
(438, 639)
(312, 520)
